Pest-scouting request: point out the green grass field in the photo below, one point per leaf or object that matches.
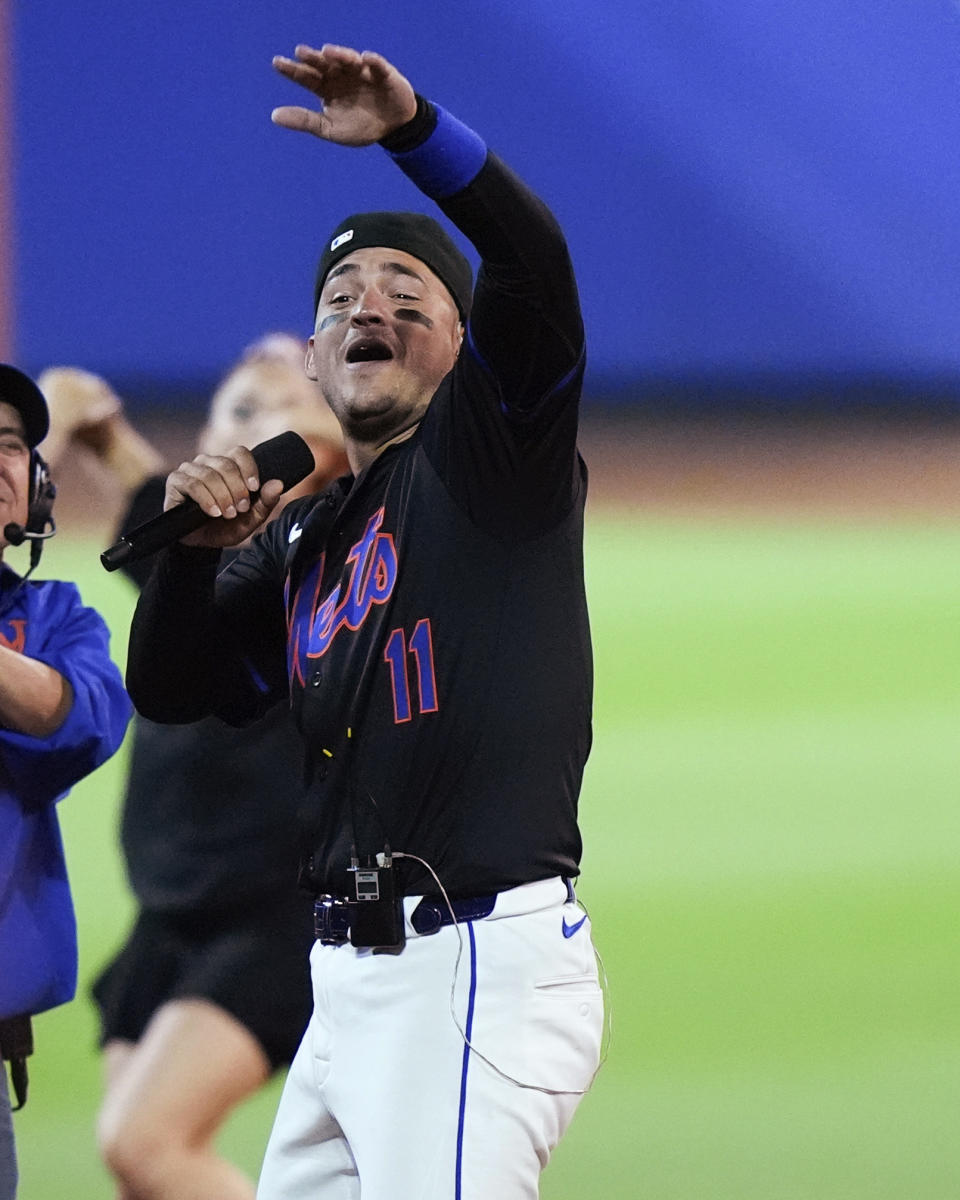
(772, 834)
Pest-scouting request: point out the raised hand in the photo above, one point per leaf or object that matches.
(363, 96)
(80, 404)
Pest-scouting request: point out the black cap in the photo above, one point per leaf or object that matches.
(20, 392)
(416, 233)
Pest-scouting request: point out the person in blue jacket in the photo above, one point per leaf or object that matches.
(63, 711)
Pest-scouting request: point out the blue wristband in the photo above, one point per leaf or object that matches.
(447, 161)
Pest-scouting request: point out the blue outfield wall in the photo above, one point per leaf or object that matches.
(761, 200)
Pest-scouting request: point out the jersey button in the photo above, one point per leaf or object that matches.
(316, 679)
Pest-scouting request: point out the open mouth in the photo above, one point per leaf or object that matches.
(369, 350)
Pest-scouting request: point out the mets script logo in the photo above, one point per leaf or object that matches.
(13, 634)
(370, 580)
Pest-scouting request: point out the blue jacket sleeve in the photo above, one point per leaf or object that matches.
(74, 640)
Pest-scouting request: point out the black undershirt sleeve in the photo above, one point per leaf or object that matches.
(502, 432)
(525, 323)
(203, 645)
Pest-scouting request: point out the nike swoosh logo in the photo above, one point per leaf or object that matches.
(295, 531)
(570, 930)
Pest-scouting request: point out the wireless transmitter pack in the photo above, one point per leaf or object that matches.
(376, 914)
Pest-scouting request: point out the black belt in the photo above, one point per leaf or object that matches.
(331, 915)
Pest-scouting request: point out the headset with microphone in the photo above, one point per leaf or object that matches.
(40, 524)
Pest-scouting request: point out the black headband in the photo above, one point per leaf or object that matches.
(417, 234)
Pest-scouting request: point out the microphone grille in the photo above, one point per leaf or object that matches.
(286, 456)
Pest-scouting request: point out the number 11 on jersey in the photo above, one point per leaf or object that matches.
(420, 647)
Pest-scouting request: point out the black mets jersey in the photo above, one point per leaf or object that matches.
(427, 618)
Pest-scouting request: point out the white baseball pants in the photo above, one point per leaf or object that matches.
(384, 1099)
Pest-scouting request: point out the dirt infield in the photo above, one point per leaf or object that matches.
(904, 467)
(895, 467)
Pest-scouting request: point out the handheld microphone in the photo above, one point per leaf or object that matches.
(286, 457)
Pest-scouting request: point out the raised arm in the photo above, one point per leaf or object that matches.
(87, 415)
(525, 325)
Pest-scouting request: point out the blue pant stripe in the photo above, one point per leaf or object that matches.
(466, 1058)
